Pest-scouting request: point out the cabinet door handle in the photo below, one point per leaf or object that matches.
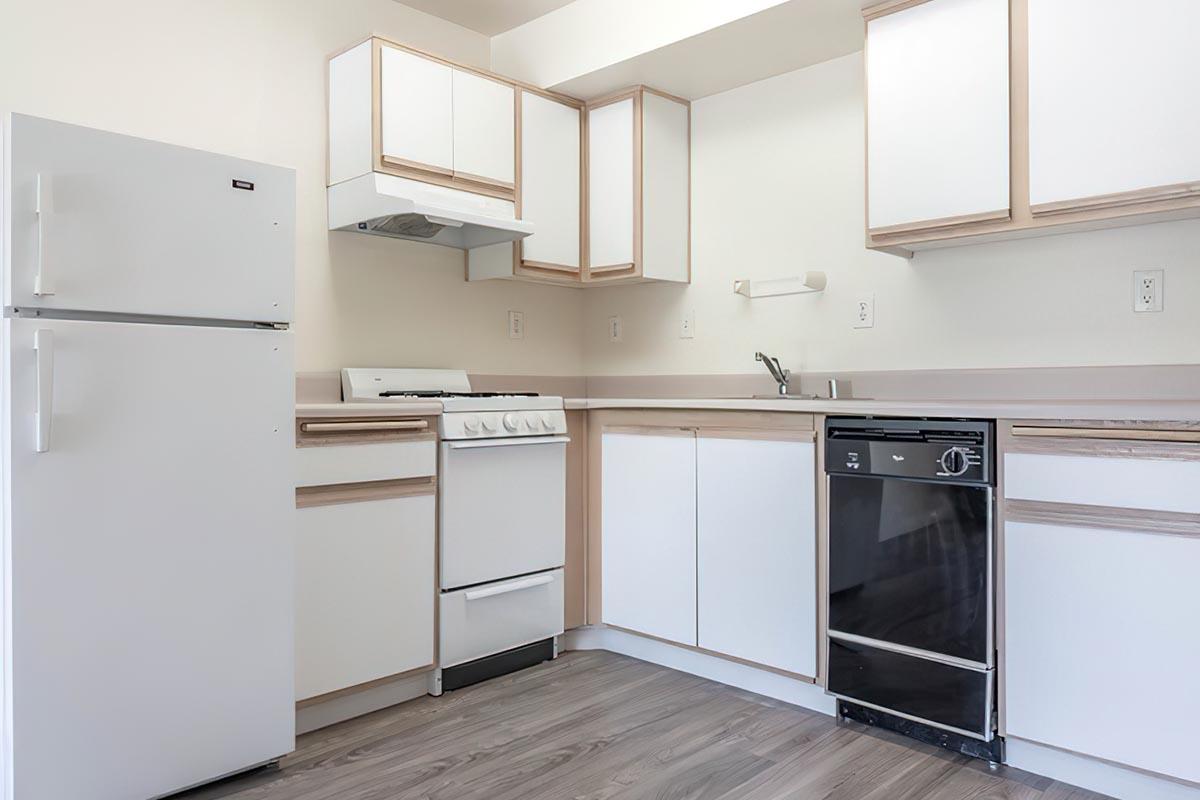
(370, 425)
(43, 345)
(42, 284)
(515, 586)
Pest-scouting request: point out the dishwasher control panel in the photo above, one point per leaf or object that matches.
(922, 449)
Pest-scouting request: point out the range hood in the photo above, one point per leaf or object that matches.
(387, 205)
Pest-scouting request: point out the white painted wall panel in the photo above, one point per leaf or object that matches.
(364, 592)
(484, 127)
(350, 114)
(938, 111)
(1113, 105)
(756, 560)
(1116, 482)
(550, 191)
(665, 189)
(417, 109)
(610, 184)
(1101, 644)
(649, 536)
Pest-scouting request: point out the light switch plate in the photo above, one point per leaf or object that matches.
(1148, 290)
(864, 312)
(614, 329)
(516, 324)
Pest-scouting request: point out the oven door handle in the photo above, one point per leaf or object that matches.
(515, 586)
(471, 445)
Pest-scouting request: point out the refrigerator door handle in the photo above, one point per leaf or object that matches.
(43, 344)
(42, 285)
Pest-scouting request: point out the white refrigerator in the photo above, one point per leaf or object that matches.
(148, 495)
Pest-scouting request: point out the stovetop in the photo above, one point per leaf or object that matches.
(449, 386)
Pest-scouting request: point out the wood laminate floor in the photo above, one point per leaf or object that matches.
(595, 725)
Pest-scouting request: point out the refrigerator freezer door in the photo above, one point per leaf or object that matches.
(111, 223)
(150, 549)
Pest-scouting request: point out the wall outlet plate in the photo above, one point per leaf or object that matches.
(516, 324)
(687, 325)
(615, 331)
(1148, 290)
(864, 312)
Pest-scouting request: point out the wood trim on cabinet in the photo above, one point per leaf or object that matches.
(546, 265)
(888, 7)
(613, 268)
(639, 177)
(822, 510)
(757, 434)
(1189, 191)
(317, 699)
(338, 494)
(440, 177)
(1172, 523)
(518, 122)
(1122, 434)
(310, 438)
(416, 166)
(946, 223)
(467, 177)
(575, 566)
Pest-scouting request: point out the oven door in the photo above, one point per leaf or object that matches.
(503, 508)
(910, 564)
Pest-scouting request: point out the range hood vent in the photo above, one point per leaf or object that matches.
(387, 205)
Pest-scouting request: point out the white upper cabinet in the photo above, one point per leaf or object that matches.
(417, 106)
(1114, 105)
(611, 186)
(484, 128)
(666, 188)
(550, 181)
(938, 114)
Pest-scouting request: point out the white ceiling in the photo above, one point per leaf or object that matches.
(488, 17)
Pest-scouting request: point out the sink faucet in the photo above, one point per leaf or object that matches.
(781, 375)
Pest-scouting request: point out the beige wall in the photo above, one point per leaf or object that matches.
(246, 77)
(778, 189)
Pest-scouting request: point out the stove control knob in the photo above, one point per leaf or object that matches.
(533, 421)
(547, 422)
(471, 424)
(954, 461)
(488, 424)
(511, 422)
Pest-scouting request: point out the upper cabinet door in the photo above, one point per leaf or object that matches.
(611, 186)
(550, 192)
(938, 114)
(1113, 106)
(416, 104)
(484, 128)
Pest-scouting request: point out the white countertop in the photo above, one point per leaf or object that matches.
(1152, 410)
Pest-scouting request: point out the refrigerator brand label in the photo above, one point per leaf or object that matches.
(247, 185)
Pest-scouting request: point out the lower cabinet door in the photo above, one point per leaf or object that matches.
(649, 533)
(1101, 643)
(757, 550)
(364, 592)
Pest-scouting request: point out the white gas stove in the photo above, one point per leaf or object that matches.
(466, 414)
(502, 516)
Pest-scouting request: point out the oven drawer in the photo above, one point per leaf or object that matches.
(494, 617)
(322, 465)
(947, 696)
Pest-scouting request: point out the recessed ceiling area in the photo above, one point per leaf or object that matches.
(488, 17)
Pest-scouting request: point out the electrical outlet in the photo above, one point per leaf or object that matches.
(516, 324)
(864, 312)
(687, 325)
(614, 329)
(1148, 290)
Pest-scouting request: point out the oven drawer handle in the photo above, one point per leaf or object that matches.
(515, 586)
(355, 427)
(508, 442)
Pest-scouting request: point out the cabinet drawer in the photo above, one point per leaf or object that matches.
(494, 617)
(1143, 483)
(358, 463)
(364, 592)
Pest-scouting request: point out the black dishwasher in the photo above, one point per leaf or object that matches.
(911, 577)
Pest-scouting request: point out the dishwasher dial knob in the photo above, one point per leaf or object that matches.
(471, 424)
(954, 461)
(511, 422)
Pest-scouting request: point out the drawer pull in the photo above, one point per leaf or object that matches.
(515, 586)
(1116, 434)
(362, 427)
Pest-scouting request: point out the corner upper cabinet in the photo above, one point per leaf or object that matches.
(639, 214)
(937, 115)
(1114, 105)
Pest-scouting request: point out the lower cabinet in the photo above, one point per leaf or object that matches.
(709, 540)
(757, 550)
(649, 538)
(1102, 644)
(364, 592)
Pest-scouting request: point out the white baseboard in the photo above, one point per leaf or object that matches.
(1088, 773)
(348, 706)
(760, 681)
